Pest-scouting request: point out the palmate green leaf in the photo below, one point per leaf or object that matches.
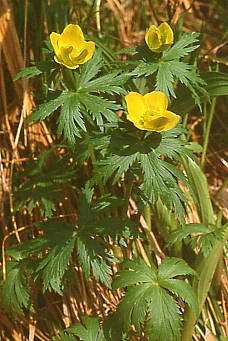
(37, 69)
(164, 320)
(110, 84)
(70, 120)
(46, 109)
(132, 310)
(52, 267)
(118, 228)
(182, 47)
(172, 267)
(41, 188)
(145, 69)
(181, 289)
(160, 182)
(92, 256)
(129, 152)
(15, 291)
(56, 246)
(44, 196)
(174, 69)
(202, 237)
(99, 107)
(88, 330)
(152, 301)
(165, 79)
(114, 164)
(90, 69)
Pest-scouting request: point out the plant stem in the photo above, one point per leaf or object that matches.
(207, 132)
(69, 80)
(128, 194)
(147, 215)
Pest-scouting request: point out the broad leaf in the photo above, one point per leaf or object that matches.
(150, 301)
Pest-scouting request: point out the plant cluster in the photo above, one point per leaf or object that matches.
(118, 142)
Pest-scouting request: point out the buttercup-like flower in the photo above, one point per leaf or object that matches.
(149, 112)
(70, 47)
(159, 38)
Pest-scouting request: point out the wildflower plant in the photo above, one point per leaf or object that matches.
(124, 144)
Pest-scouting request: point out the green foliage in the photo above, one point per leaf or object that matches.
(133, 151)
(182, 47)
(46, 109)
(37, 69)
(202, 237)
(92, 252)
(15, 290)
(216, 85)
(41, 187)
(59, 238)
(151, 299)
(116, 164)
(198, 182)
(88, 330)
(85, 104)
(169, 68)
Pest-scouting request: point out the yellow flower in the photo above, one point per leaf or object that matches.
(70, 47)
(159, 38)
(149, 112)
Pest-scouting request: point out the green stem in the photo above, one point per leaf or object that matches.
(69, 79)
(147, 215)
(93, 159)
(207, 132)
(98, 17)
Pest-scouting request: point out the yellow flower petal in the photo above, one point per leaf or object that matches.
(69, 66)
(81, 57)
(155, 123)
(152, 37)
(70, 47)
(149, 112)
(54, 37)
(72, 36)
(166, 33)
(161, 123)
(135, 106)
(156, 102)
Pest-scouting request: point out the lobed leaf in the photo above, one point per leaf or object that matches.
(46, 109)
(182, 47)
(15, 291)
(70, 120)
